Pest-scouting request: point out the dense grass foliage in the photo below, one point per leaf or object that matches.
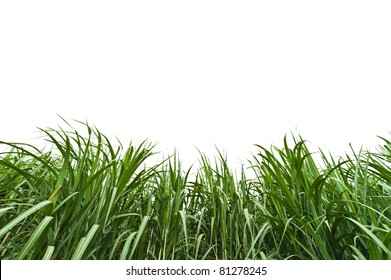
(86, 198)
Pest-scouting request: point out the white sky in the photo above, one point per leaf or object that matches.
(189, 74)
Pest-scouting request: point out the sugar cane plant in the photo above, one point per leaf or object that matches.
(85, 197)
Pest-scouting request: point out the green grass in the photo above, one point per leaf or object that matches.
(84, 197)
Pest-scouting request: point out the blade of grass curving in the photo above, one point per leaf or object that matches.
(258, 238)
(27, 176)
(140, 232)
(110, 206)
(48, 253)
(374, 237)
(63, 202)
(84, 242)
(208, 251)
(98, 173)
(29, 246)
(358, 255)
(198, 243)
(18, 146)
(4, 210)
(183, 217)
(115, 246)
(125, 249)
(22, 216)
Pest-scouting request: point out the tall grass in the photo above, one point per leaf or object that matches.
(87, 198)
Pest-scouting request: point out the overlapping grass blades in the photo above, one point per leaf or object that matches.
(86, 198)
(88, 181)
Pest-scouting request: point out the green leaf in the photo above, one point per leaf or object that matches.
(84, 242)
(139, 233)
(23, 216)
(48, 253)
(29, 246)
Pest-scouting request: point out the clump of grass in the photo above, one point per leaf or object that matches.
(87, 198)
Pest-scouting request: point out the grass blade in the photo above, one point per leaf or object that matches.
(84, 242)
(29, 246)
(23, 216)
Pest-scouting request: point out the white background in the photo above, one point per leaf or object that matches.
(189, 74)
(116, 270)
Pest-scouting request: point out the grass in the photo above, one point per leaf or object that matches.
(84, 197)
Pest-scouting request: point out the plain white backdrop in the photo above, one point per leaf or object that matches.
(188, 74)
